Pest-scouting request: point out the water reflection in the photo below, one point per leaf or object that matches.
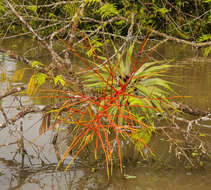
(47, 178)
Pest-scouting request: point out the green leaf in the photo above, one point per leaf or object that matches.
(156, 82)
(91, 2)
(71, 9)
(162, 11)
(95, 45)
(120, 22)
(148, 65)
(108, 10)
(195, 154)
(150, 69)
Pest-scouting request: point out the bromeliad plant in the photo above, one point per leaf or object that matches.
(121, 102)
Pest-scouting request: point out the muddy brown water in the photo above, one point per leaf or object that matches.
(191, 72)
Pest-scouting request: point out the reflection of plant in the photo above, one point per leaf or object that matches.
(123, 101)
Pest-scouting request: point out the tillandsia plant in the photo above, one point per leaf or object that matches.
(121, 102)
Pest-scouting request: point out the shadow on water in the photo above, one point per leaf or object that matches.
(39, 171)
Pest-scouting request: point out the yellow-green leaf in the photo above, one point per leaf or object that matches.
(32, 8)
(40, 78)
(32, 86)
(18, 75)
(36, 64)
(59, 79)
(3, 76)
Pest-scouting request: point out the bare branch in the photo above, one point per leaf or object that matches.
(13, 91)
(193, 44)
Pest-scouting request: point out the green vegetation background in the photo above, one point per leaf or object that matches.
(186, 19)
